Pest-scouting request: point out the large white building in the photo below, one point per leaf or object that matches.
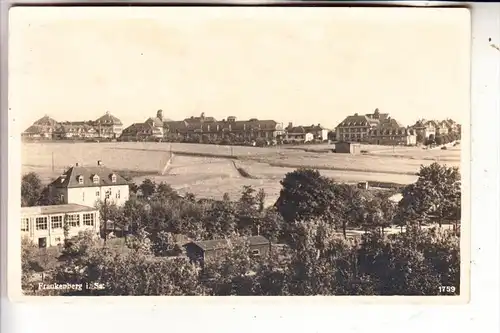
(44, 225)
(89, 185)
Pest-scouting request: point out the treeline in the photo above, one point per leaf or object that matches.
(34, 193)
(439, 139)
(310, 221)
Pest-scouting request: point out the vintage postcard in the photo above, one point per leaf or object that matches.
(237, 151)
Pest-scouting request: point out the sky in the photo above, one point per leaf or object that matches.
(301, 65)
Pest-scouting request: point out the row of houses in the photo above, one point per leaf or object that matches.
(375, 128)
(380, 128)
(106, 127)
(110, 127)
(229, 128)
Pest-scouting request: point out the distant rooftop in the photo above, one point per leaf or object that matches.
(55, 209)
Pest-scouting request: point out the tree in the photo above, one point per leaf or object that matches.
(261, 199)
(271, 224)
(247, 211)
(305, 195)
(31, 189)
(435, 195)
(148, 188)
(232, 272)
(28, 263)
(165, 192)
(47, 199)
(348, 206)
(321, 263)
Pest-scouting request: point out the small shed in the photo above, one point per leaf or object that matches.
(347, 147)
(202, 250)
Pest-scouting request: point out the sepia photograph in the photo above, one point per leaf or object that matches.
(245, 151)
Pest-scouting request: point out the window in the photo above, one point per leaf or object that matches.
(88, 219)
(97, 194)
(73, 220)
(56, 222)
(25, 224)
(118, 194)
(41, 223)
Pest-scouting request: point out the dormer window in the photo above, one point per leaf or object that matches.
(113, 178)
(80, 179)
(95, 179)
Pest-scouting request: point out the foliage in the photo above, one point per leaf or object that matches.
(436, 195)
(314, 260)
(305, 195)
(33, 193)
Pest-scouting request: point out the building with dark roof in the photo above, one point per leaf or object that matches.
(44, 225)
(375, 127)
(213, 129)
(297, 134)
(202, 250)
(392, 135)
(108, 126)
(88, 185)
(43, 128)
(305, 133)
(140, 132)
(356, 127)
(75, 130)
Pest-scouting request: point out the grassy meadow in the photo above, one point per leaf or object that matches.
(210, 171)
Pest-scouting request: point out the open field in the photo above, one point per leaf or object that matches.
(209, 171)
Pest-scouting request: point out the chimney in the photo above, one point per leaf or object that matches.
(99, 163)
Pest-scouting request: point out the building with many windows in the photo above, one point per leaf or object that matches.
(108, 126)
(44, 225)
(356, 128)
(90, 185)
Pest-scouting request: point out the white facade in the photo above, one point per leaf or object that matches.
(44, 225)
(90, 196)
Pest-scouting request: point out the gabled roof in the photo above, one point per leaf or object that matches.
(45, 121)
(34, 129)
(137, 127)
(314, 128)
(391, 123)
(108, 119)
(217, 244)
(69, 179)
(357, 120)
